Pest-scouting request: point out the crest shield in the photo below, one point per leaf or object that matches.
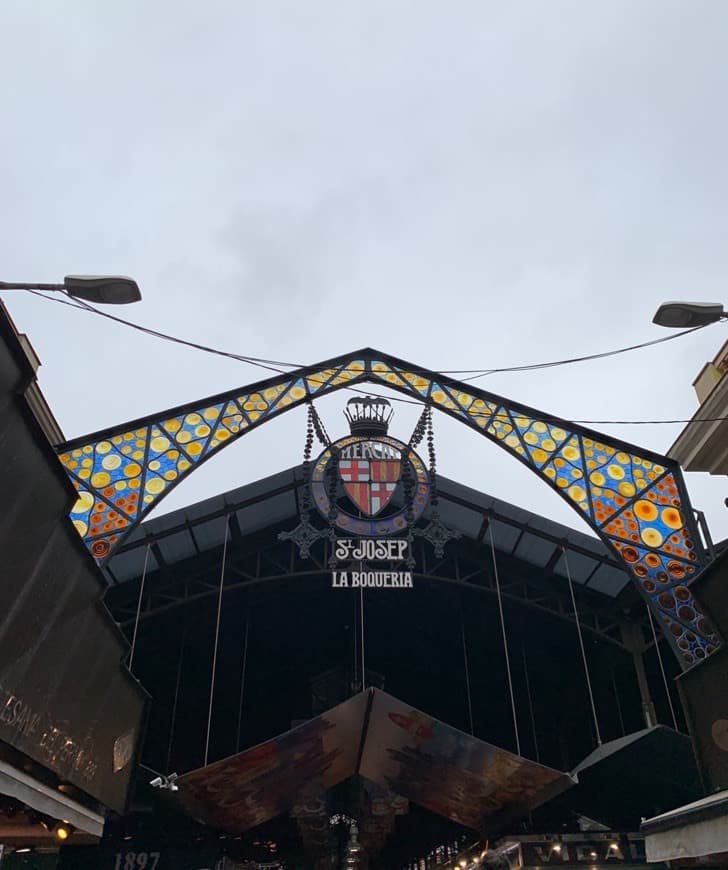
(370, 482)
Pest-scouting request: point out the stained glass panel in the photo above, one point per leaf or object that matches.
(635, 501)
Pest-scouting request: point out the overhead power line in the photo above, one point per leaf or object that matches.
(275, 365)
(271, 364)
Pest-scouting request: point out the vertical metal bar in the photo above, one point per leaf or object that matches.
(217, 638)
(467, 668)
(583, 651)
(139, 607)
(361, 614)
(662, 668)
(176, 696)
(619, 705)
(242, 677)
(505, 641)
(530, 701)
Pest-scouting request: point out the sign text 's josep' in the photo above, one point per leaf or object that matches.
(371, 549)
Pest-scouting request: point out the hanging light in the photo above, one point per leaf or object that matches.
(62, 831)
(556, 848)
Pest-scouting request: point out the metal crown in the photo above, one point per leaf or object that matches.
(368, 415)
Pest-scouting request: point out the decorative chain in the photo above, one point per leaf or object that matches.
(420, 428)
(433, 460)
(318, 425)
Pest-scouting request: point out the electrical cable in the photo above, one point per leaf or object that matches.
(265, 363)
(274, 365)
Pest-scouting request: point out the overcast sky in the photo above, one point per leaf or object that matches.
(463, 185)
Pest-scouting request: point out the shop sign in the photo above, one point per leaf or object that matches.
(359, 554)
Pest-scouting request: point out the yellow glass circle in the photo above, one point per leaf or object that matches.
(100, 479)
(184, 437)
(210, 413)
(597, 478)
(112, 461)
(195, 448)
(651, 537)
(548, 444)
(577, 493)
(530, 438)
(81, 527)
(539, 455)
(103, 447)
(84, 503)
(626, 489)
(132, 470)
(538, 426)
(570, 453)
(154, 485)
(616, 472)
(159, 444)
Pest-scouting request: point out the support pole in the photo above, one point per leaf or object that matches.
(633, 640)
(217, 638)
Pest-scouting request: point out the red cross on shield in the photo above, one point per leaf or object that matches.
(370, 483)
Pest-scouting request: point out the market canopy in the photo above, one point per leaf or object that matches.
(403, 751)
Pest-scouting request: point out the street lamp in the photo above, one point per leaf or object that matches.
(104, 289)
(684, 315)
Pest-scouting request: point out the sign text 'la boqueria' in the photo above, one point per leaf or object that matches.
(358, 550)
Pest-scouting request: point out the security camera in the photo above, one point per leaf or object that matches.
(166, 782)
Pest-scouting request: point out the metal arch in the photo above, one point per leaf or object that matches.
(634, 499)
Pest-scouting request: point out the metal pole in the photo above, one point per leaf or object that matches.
(139, 607)
(242, 676)
(581, 646)
(176, 696)
(217, 637)
(467, 669)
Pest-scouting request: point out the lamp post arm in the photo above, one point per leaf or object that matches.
(12, 285)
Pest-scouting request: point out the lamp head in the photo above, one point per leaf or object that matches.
(684, 315)
(105, 289)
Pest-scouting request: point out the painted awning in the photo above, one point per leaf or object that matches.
(386, 741)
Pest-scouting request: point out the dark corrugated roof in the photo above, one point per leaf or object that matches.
(271, 501)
